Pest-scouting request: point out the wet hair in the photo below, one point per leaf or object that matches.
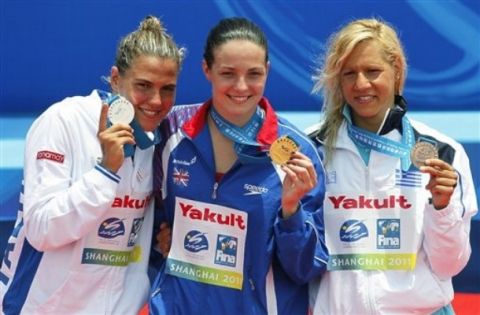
(235, 28)
(341, 45)
(150, 39)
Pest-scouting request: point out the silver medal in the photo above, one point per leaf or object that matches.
(121, 111)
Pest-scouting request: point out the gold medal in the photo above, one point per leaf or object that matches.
(282, 149)
(421, 152)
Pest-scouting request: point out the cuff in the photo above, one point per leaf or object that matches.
(294, 223)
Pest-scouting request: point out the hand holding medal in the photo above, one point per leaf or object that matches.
(120, 112)
(422, 151)
(443, 178)
(282, 149)
(300, 173)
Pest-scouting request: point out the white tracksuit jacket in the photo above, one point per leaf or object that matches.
(443, 236)
(79, 245)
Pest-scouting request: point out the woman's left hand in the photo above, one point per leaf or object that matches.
(443, 180)
(300, 178)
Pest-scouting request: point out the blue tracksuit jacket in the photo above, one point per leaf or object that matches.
(279, 256)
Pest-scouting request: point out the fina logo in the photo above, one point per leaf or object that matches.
(111, 228)
(352, 231)
(388, 233)
(226, 253)
(195, 241)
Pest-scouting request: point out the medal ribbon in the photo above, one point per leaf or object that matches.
(367, 141)
(142, 138)
(244, 138)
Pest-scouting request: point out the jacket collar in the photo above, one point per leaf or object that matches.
(393, 121)
(266, 135)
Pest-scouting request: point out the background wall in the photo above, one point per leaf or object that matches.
(53, 49)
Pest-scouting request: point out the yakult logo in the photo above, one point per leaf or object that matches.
(363, 202)
(128, 202)
(206, 214)
(52, 156)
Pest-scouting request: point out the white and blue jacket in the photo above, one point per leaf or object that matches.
(82, 237)
(280, 255)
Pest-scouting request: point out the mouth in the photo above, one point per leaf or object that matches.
(151, 113)
(239, 99)
(364, 98)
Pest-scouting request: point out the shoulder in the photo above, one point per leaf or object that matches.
(75, 110)
(178, 116)
(301, 138)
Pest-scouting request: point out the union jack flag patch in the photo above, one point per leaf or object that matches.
(180, 177)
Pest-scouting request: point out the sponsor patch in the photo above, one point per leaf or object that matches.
(136, 226)
(226, 251)
(184, 162)
(52, 156)
(254, 190)
(111, 228)
(195, 241)
(388, 233)
(352, 231)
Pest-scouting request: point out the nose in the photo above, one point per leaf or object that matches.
(361, 81)
(241, 84)
(156, 98)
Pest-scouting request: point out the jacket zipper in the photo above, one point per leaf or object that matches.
(214, 193)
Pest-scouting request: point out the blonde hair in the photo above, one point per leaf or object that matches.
(150, 39)
(327, 75)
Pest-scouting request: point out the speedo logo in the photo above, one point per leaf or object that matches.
(254, 190)
(363, 202)
(132, 203)
(206, 214)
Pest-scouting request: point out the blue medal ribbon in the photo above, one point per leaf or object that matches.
(366, 141)
(244, 138)
(142, 139)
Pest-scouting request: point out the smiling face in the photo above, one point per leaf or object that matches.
(368, 85)
(238, 74)
(150, 85)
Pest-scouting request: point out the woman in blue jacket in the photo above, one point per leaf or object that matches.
(247, 231)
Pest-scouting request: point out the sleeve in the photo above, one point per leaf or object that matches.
(447, 231)
(60, 206)
(300, 239)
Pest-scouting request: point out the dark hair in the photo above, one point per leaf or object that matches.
(231, 29)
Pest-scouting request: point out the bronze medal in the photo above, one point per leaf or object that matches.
(282, 149)
(421, 152)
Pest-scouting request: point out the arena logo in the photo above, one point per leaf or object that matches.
(49, 155)
(364, 202)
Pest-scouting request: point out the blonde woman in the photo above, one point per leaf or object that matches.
(399, 195)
